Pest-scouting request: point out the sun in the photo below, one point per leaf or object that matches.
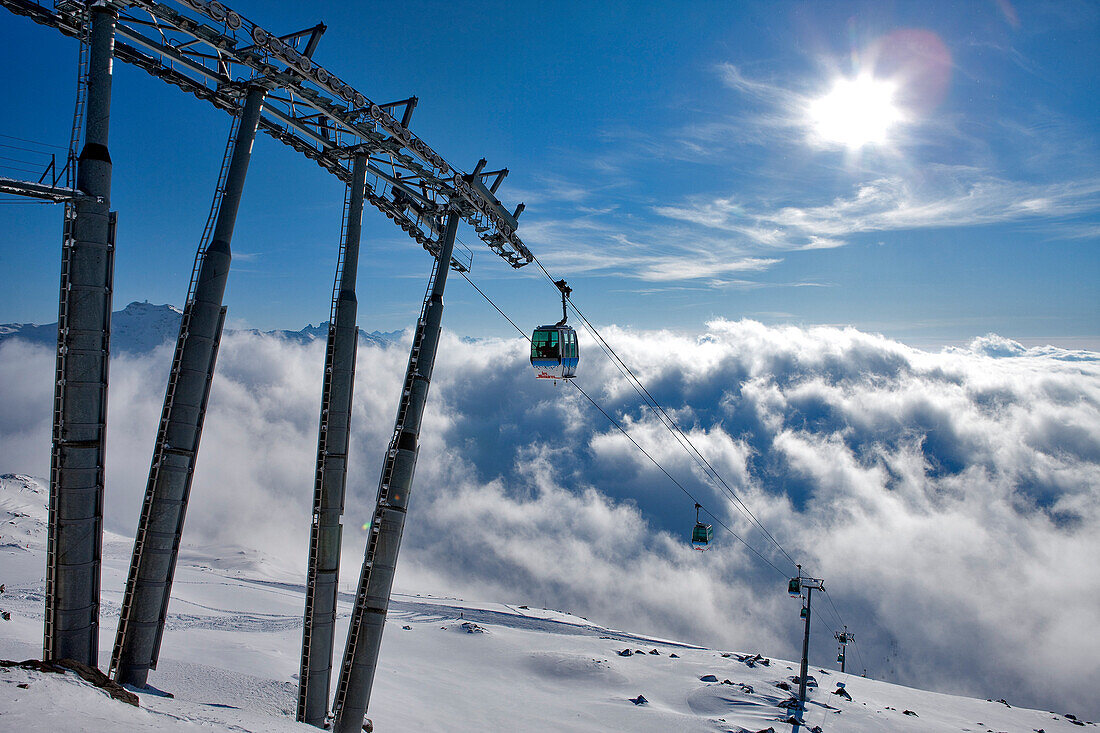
(856, 112)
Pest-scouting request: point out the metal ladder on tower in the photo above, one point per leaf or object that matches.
(63, 327)
(322, 451)
(383, 501)
(161, 444)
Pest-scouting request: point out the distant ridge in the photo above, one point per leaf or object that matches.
(141, 327)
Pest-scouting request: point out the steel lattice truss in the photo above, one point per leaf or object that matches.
(215, 53)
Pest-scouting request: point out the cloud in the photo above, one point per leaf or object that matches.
(773, 191)
(937, 174)
(949, 499)
(995, 345)
(733, 77)
(650, 253)
(946, 196)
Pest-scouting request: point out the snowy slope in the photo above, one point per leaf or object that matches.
(230, 657)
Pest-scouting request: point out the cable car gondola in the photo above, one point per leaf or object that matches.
(554, 352)
(700, 536)
(794, 588)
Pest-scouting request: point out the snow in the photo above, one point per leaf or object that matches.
(141, 327)
(230, 658)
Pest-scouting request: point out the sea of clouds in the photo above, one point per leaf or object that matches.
(951, 501)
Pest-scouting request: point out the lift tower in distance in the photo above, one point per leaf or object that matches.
(795, 587)
(844, 638)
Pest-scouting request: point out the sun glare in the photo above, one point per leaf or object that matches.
(856, 112)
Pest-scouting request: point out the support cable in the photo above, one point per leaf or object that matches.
(24, 149)
(678, 484)
(20, 160)
(670, 424)
(861, 664)
(617, 361)
(17, 168)
(32, 142)
(684, 440)
(620, 428)
(622, 365)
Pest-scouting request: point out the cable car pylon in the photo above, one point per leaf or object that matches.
(77, 458)
(795, 587)
(372, 598)
(160, 527)
(330, 476)
(220, 57)
(844, 638)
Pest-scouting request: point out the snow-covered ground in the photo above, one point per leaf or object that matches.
(230, 658)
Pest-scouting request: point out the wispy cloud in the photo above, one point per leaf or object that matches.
(783, 195)
(596, 244)
(944, 197)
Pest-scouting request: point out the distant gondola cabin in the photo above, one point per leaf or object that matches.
(700, 536)
(554, 353)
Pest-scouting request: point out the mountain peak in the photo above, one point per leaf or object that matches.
(142, 326)
(146, 308)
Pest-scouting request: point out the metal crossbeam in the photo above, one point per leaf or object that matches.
(30, 189)
(210, 50)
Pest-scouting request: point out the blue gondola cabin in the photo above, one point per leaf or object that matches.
(554, 353)
(700, 536)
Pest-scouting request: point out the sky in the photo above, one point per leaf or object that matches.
(880, 327)
(922, 170)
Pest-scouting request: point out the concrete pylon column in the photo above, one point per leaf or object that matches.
(149, 585)
(380, 561)
(334, 430)
(75, 536)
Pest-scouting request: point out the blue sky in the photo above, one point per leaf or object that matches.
(675, 158)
